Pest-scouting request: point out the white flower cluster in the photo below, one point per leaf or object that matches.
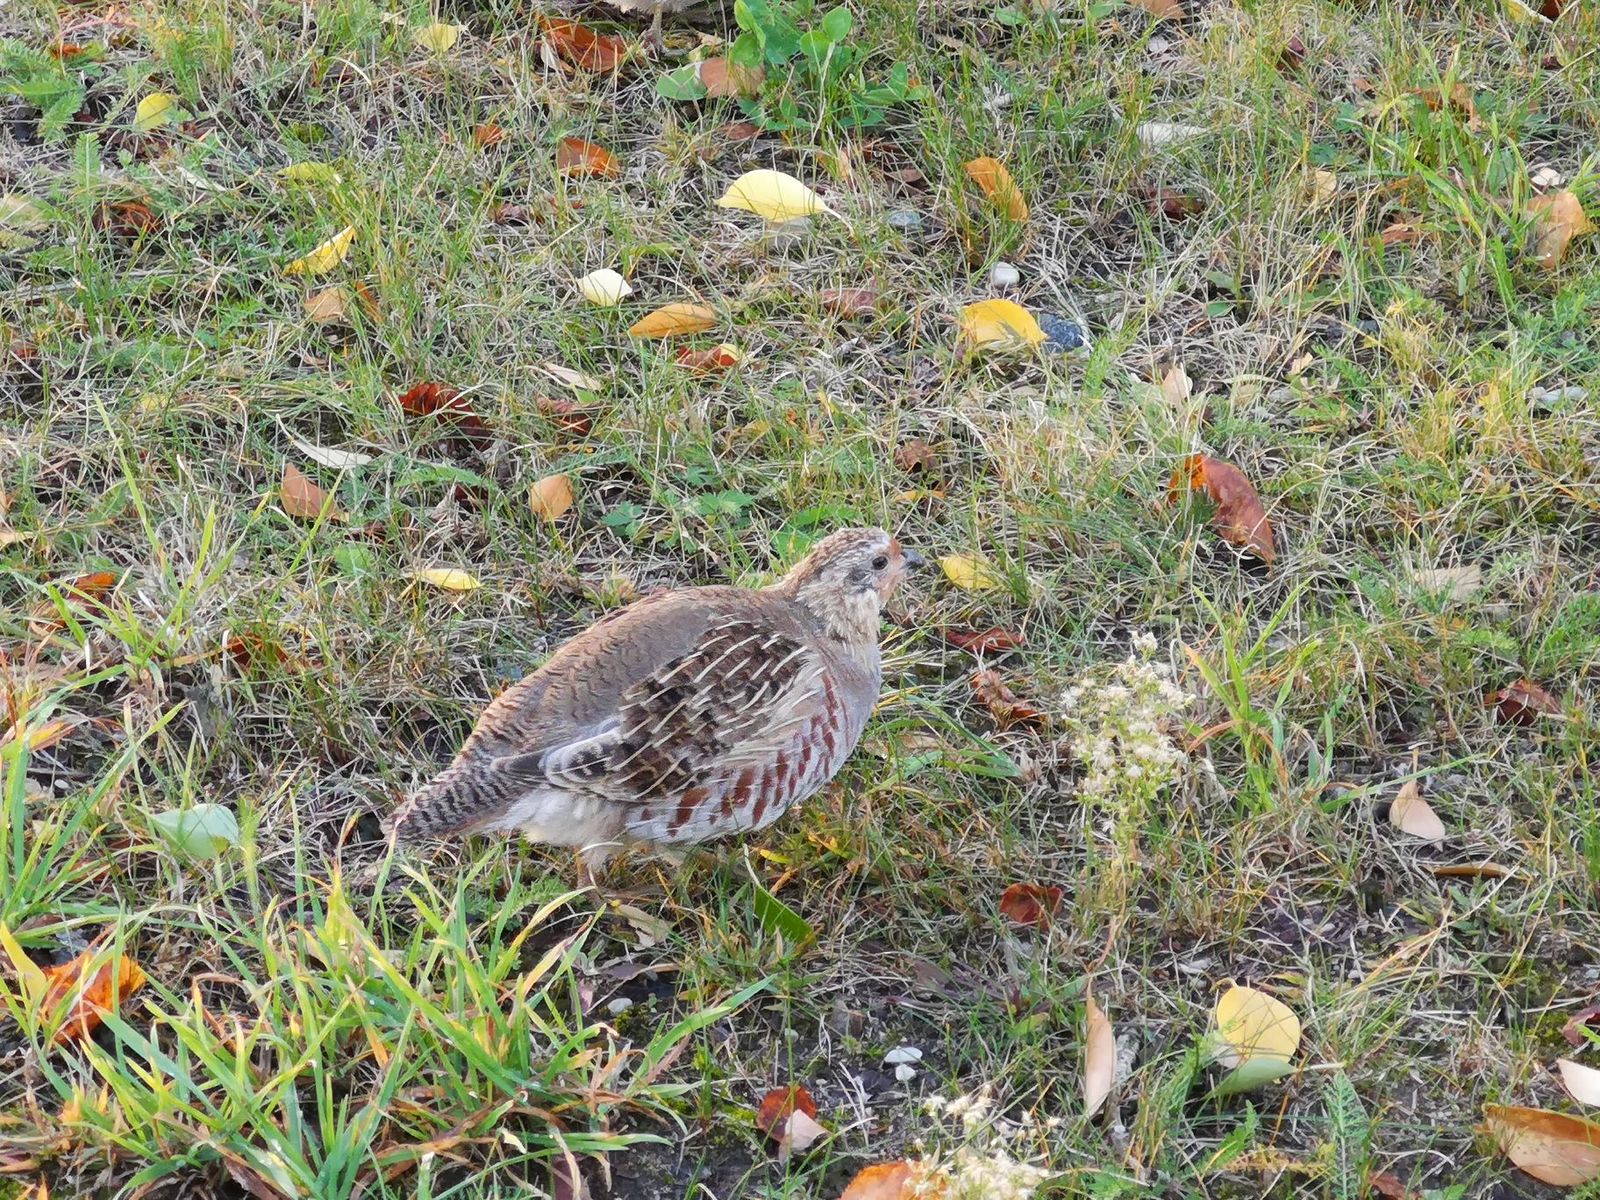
(985, 1166)
(1118, 721)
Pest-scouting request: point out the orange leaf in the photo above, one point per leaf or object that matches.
(993, 640)
(1003, 704)
(1558, 219)
(772, 1118)
(704, 362)
(582, 46)
(302, 498)
(1160, 8)
(551, 497)
(488, 134)
(1552, 1147)
(672, 319)
(721, 78)
(127, 218)
(882, 1181)
(996, 183)
(437, 399)
(1030, 904)
(1240, 517)
(92, 997)
(578, 159)
(83, 592)
(1524, 702)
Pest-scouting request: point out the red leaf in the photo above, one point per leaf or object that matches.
(993, 640)
(1240, 517)
(488, 134)
(1294, 54)
(772, 1117)
(1004, 704)
(565, 413)
(578, 159)
(915, 455)
(437, 399)
(704, 362)
(127, 218)
(582, 46)
(1584, 1019)
(1174, 205)
(1031, 904)
(1523, 703)
(93, 996)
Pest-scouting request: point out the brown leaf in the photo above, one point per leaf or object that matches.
(502, 213)
(368, 300)
(127, 218)
(672, 319)
(551, 497)
(1559, 218)
(915, 455)
(1031, 904)
(1523, 703)
(1400, 234)
(851, 302)
(882, 1181)
(1553, 1147)
(722, 79)
(1161, 9)
(488, 134)
(1410, 813)
(567, 414)
(1388, 1187)
(996, 183)
(304, 499)
(83, 592)
(327, 306)
(772, 1117)
(1174, 205)
(444, 402)
(1478, 870)
(910, 176)
(993, 640)
(1239, 518)
(1579, 1023)
(93, 996)
(712, 359)
(740, 131)
(582, 46)
(1003, 704)
(1293, 56)
(578, 159)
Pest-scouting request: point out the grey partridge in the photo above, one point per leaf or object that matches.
(687, 716)
(655, 8)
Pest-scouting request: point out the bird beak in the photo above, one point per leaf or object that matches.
(912, 560)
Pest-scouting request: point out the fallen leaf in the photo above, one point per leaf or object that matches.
(1099, 1057)
(1252, 1025)
(996, 183)
(1558, 218)
(84, 592)
(582, 46)
(1399, 234)
(1480, 870)
(1174, 205)
(723, 79)
(1578, 1025)
(1582, 1083)
(437, 38)
(551, 497)
(800, 1133)
(915, 454)
(773, 196)
(1293, 56)
(448, 578)
(993, 640)
(1004, 705)
(93, 995)
(671, 320)
(578, 159)
(1156, 134)
(154, 111)
(1323, 186)
(487, 134)
(716, 358)
(1523, 703)
(1454, 584)
(1410, 813)
(740, 131)
(126, 218)
(1031, 904)
(572, 378)
(310, 172)
(567, 414)
(335, 460)
(304, 499)
(1176, 386)
(437, 399)
(1554, 1148)
(327, 306)
(325, 257)
(604, 288)
(969, 574)
(772, 1116)
(999, 322)
(1239, 517)
(850, 302)
(882, 1181)
(202, 831)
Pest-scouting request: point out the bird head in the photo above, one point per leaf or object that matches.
(848, 577)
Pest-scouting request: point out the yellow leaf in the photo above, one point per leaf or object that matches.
(326, 256)
(968, 573)
(1255, 1025)
(327, 306)
(1552, 1147)
(604, 288)
(550, 497)
(1410, 813)
(448, 578)
(1558, 219)
(999, 322)
(1324, 186)
(1099, 1057)
(311, 171)
(154, 111)
(672, 319)
(30, 976)
(438, 37)
(773, 196)
(38, 737)
(996, 183)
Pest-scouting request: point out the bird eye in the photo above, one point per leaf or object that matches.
(880, 563)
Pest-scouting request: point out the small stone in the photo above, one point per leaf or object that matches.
(619, 1006)
(901, 1055)
(905, 1073)
(1158, 44)
(1004, 275)
(1546, 178)
(906, 220)
(1063, 334)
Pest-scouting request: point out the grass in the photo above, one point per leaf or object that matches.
(321, 1022)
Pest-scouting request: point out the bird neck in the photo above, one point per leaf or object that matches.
(850, 617)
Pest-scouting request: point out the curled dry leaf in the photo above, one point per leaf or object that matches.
(1004, 705)
(550, 497)
(567, 414)
(440, 400)
(1410, 813)
(1582, 1083)
(487, 134)
(671, 320)
(1031, 904)
(707, 361)
(578, 159)
(84, 592)
(1239, 518)
(999, 323)
(851, 302)
(325, 257)
(1477, 870)
(996, 183)
(722, 79)
(915, 454)
(126, 218)
(1252, 1025)
(1293, 56)
(1157, 134)
(1389, 1187)
(772, 1117)
(773, 196)
(582, 46)
(1558, 218)
(1099, 1057)
(1174, 205)
(1523, 703)
(881, 1181)
(94, 992)
(1553, 1147)
(993, 640)
(1176, 386)
(1580, 1024)
(302, 498)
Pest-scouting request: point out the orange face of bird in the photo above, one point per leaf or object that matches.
(898, 561)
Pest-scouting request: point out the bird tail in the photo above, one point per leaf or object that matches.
(454, 801)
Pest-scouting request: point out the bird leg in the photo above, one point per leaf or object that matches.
(653, 41)
(592, 860)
